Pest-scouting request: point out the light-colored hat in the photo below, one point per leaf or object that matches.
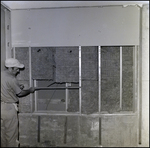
(11, 62)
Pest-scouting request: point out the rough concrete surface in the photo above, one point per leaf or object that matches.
(42, 63)
(110, 79)
(22, 54)
(67, 64)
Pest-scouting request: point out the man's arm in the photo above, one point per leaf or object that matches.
(26, 92)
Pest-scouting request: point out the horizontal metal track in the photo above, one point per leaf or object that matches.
(76, 114)
(53, 88)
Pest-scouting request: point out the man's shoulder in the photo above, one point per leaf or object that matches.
(5, 74)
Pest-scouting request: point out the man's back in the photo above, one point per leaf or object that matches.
(9, 87)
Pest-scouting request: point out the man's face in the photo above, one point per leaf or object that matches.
(15, 70)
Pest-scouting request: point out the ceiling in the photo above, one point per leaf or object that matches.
(60, 4)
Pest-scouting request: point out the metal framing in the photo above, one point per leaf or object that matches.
(77, 113)
(58, 88)
(67, 96)
(30, 78)
(140, 95)
(135, 81)
(35, 95)
(135, 78)
(80, 79)
(140, 78)
(49, 88)
(99, 79)
(30, 73)
(121, 77)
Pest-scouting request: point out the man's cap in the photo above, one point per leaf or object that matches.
(12, 62)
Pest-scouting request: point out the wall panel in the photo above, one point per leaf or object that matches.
(22, 54)
(110, 78)
(67, 64)
(119, 131)
(42, 61)
(127, 76)
(89, 26)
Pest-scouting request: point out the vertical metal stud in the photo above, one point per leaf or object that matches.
(80, 79)
(140, 95)
(140, 77)
(35, 95)
(99, 78)
(30, 78)
(30, 75)
(67, 94)
(134, 78)
(121, 77)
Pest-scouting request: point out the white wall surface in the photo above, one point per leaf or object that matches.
(91, 26)
(145, 76)
(5, 35)
(58, 4)
(3, 45)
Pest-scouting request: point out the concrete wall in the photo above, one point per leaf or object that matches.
(77, 131)
(90, 26)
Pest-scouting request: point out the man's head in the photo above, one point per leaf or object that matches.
(12, 62)
(13, 65)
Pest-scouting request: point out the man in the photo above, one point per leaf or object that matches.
(10, 91)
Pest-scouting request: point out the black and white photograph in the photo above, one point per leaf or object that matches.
(74, 73)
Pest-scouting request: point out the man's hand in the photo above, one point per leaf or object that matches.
(21, 86)
(32, 89)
